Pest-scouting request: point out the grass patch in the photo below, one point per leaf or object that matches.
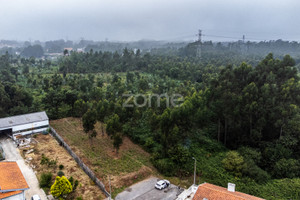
(117, 191)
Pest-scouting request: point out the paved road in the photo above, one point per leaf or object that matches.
(12, 154)
(145, 190)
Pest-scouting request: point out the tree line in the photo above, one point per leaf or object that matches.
(240, 121)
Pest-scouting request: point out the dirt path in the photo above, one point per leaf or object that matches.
(13, 154)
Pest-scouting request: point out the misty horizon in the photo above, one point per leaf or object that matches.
(131, 20)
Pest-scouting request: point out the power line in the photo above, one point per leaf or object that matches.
(242, 38)
(179, 37)
(221, 36)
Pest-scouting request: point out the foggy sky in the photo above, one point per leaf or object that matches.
(131, 20)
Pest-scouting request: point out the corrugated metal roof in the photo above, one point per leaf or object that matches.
(23, 119)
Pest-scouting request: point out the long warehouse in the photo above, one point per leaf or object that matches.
(24, 124)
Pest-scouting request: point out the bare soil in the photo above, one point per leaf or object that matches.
(48, 146)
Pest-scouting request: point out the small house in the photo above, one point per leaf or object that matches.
(12, 182)
(207, 191)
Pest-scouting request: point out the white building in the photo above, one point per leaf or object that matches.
(24, 124)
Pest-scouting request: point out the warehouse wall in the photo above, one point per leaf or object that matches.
(30, 125)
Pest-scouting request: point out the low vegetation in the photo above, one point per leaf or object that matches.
(46, 180)
(47, 149)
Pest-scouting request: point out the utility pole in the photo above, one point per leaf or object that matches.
(195, 171)
(244, 48)
(199, 44)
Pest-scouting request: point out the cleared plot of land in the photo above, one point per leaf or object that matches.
(48, 146)
(130, 165)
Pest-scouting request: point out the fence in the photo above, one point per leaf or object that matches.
(85, 168)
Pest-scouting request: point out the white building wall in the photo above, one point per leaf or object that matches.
(30, 125)
(189, 193)
(31, 131)
(20, 196)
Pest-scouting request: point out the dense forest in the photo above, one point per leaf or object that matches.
(238, 114)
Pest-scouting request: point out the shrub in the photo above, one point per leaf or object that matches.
(149, 143)
(253, 171)
(280, 189)
(45, 180)
(165, 166)
(61, 187)
(286, 168)
(60, 173)
(274, 153)
(93, 134)
(74, 184)
(46, 161)
(251, 153)
(71, 179)
(234, 162)
(52, 163)
(61, 167)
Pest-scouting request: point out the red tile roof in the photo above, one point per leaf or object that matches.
(11, 177)
(8, 194)
(213, 192)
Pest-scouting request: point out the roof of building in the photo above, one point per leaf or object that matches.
(23, 119)
(9, 194)
(12, 178)
(212, 192)
(188, 194)
(68, 48)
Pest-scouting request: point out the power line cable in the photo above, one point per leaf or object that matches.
(191, 36)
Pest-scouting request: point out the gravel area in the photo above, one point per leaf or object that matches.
(145, 190)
